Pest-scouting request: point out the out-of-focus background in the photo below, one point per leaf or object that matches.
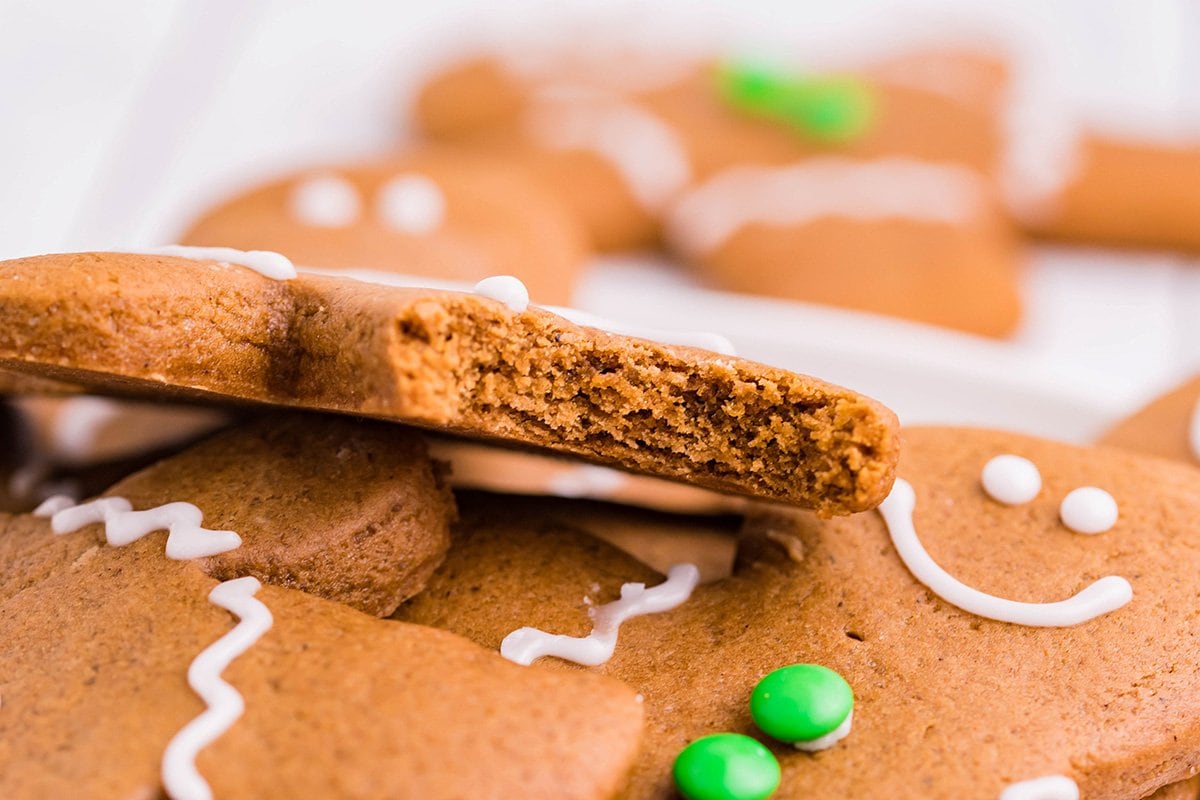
(122, 122)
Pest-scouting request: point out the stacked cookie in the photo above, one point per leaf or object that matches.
(338, 595)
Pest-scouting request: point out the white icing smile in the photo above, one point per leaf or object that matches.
(526, 645)
(1048, 787)
(1101, 597)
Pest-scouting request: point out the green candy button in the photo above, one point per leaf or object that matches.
(829, 109)
(801, 703)
(726, 766)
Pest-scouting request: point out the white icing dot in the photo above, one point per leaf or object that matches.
(1105, 595)
(1011, 480)
(1047, 787)
(506, 289)
(412, 204)
(265, 262)
(180, 777)
(325, 201)
(1088, 510)
(526, 645)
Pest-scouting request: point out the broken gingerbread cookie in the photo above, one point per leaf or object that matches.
(194, 325)
(139, 664)
(1013, 622)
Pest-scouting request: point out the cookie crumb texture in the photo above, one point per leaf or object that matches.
(164, 326)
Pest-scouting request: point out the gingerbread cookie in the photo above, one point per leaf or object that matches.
(1009, 628)
(920, 240)
(170, 326)
(286, 694)
(440, 214)
(1169, 426)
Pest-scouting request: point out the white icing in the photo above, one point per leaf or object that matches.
(180, 777)
(506, 289)
(1088, 510)
(78, 425)
(828, 740)
(1048, 787)
(325, 201)
(884, 188)
(186, 539)
(1194, 432)
(412, 204)
(645, 151)
(1011, 480)
(264, 262)
(701, 339)
(526, 645)
(1101, 597)
(586, 480)
(52, 505)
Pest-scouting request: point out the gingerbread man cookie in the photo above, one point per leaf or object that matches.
(437, 213)
(174, 326)
(1169, 426)
(139, 663)
(997, 642)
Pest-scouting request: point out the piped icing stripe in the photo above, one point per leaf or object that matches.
(180, 777)
(705, 217)
(507, 293)
(645, 151)
(526, 645)
(264, 262)
(1047, 787)
(1101, 597)
(186, 538)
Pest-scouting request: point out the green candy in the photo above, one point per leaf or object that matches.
(726, 766)
(801, 703)
(829, 109)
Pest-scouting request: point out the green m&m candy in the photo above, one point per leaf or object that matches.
(828, 109)
(726, 766)
(805, 704)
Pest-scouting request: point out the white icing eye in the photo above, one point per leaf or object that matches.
(1088, 510)
(1011, 480)
(325, 201)
(506, 289)
(412, 204)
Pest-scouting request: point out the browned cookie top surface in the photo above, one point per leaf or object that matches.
(169, 326)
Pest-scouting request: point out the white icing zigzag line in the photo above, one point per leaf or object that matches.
(180, 777)
(1101, 597)
(122, 525)
(526, 645)
(1048, 787)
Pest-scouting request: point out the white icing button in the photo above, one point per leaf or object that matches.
(526, 645)
(1088, 510)
(325, 201)
(412, 204)
(1105, 595)
(1047, 787)
(1011, 480)
(506, 289)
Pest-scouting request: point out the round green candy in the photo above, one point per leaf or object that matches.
(752, 87)
(726, 766)
(831, 109)
(801, 702)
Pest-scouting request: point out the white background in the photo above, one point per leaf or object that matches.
(122, 119)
